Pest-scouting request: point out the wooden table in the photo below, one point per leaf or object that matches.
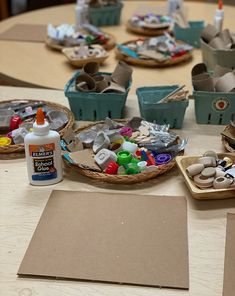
(21, 206)
(25, 63)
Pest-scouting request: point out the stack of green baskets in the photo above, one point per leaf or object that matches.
(94, 106)
(162, 113)
(105, 16)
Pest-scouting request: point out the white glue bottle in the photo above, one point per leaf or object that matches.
(43, 153)
(219, 16)
(82, 13)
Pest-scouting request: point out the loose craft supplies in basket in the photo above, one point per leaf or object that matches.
(118, 179)
(122, 53)
(17, 150)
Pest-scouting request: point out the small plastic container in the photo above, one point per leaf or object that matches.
(212, 57)
(214, 107)
(105, 16)
(163, 113)
(95, 106)
(190, 35)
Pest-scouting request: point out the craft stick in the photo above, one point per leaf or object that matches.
(163, 100)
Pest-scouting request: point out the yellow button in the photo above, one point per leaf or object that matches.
(5, 141)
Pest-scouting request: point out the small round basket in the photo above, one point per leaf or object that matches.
(226, 143)
(17, 150)
(119, 179)
(146, 31)
(50, 43)
(150, 62)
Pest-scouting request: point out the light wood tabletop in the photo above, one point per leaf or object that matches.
(28, 63)
(21, 206)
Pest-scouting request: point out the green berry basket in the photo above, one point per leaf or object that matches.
(212, 57)
(105, 16)
(214, 107)
(94, 106)
(164, 113)
(190, 35)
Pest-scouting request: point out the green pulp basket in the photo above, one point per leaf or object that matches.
(212, 57)
(105, 16)
(165, 113)
(190, 35)
(214, 107)
(94, 106)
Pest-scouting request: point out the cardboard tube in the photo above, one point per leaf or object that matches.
(226, 37)
(226, 83)
(90, 68)
(199, 69)
(122, 74)
(209, 33)
(85, 83)
(203, 82)
(218, 43)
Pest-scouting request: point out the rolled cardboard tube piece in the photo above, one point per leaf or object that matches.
(226, 37)
(101, 85)
(203, 82)
(122, 74)
(226, 83)
(209, 33)
(199, 69)
(218, 43)
(113, 87)
(90, 68)
(85, 83)
(220, 71)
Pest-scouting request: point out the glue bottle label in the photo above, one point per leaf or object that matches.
(42, 160)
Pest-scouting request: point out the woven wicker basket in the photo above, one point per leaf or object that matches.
(56, 46)
(226, 143)
(17, 150)
(145, 31)
(119, 179)
(150, 62)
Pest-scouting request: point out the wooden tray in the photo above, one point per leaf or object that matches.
(150, 62)
(56, 46)
(119, 179)
(145, 31)
(17, 150)
(203, 194)
(81, 62)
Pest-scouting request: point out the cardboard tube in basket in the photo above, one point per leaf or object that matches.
(85, 83)
(226, 83)
(218, 43)
(209, 33)
(122, 74)
(90, 68)
(203, 82)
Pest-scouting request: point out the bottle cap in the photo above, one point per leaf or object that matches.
(123, 157)
(5, 141)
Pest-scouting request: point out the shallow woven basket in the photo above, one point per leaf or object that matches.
(17, 150)
(119, 179)
(145, 31)
(226, 143)
(150, 62)
(56, 46)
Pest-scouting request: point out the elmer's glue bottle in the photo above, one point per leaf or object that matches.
(43, 153)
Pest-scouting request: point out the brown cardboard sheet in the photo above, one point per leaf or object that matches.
(111, 237)
(25, 32)
(229, 262)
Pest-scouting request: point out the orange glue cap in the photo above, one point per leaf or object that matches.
(40, 117)
(220, 4)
